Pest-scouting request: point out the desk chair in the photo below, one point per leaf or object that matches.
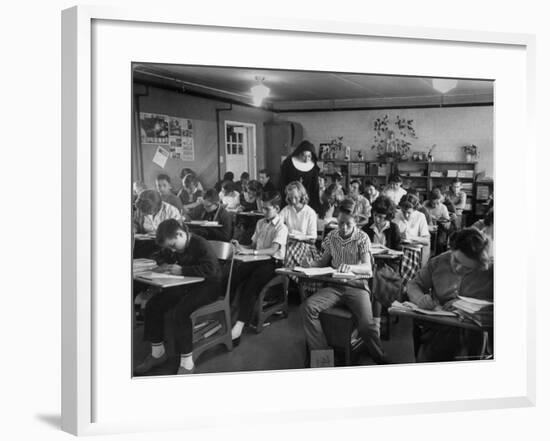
(339, 326)
(265, 307)
(220, 308)
(218, 311)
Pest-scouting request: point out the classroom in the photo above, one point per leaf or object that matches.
(294, 219)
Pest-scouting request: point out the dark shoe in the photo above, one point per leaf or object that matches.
(236, 342)
(149, 363)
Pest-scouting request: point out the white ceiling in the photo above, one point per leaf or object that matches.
(302, 90)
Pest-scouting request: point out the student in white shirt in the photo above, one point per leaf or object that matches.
(151, 211)
(229, 196)
(411, 222)
(362, 204)
(269, 239)
(301, 221)
(394, 190)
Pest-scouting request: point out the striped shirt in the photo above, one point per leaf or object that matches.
(351, 251)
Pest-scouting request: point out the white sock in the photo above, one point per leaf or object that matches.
(186, 361)
(237, 330)
(157, 350)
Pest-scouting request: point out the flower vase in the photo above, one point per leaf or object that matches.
(469, 157)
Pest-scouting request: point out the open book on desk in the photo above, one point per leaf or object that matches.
(324, 271)
(411, 307)
(163, 280)
(377, 249)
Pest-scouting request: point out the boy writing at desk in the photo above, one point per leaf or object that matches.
(463, 270)
(186, 255)
(346, 249)
(269, 239)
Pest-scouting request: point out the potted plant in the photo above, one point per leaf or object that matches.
(391, 138)
(336, 148)
(471, 152)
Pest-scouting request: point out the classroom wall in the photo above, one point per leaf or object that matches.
(203, 113)
(449, 128)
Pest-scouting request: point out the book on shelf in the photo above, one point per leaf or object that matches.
(465, 174)
(436, 174)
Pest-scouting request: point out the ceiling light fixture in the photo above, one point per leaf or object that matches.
(259, 92)
(443, 85)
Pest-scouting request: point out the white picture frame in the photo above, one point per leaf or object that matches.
(83, 338)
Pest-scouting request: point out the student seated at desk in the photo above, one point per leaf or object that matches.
(439, 215)
(265, 179)
(464, 270)
(370, 191)
(269, 239)
(332, 197)
(362, 204)
(214, 211)
(250, 199)
(394, 190)
(151, 211)
(229, 196)
(164, 187)
(227, 176)
(348, 250)
(412, 223)
(186, 255)
(242, 185)
(300, 220)
(381, 230)
(191, 196)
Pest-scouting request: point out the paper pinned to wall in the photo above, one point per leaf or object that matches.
(175, 133)
(161, 156)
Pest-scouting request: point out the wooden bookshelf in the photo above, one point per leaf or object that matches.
(421, 175)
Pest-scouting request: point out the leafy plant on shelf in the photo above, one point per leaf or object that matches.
(391, 139)
(336, 145)
(471, 150)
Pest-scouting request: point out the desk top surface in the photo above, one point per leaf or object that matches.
(167, 281)
(456, 322)
(251, 258)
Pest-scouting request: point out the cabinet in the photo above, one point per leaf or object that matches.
(281, 137)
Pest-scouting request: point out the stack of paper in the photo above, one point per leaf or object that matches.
(479, 311)
(141, 265)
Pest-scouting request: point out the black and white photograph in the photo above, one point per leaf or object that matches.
(309, 219)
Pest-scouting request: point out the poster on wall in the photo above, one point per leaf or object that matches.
(175, 133)
(154, 128)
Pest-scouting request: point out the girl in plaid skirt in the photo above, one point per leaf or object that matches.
(301, 221)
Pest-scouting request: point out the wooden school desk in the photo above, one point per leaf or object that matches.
(455, 322)
(166, 282)
(337, 322)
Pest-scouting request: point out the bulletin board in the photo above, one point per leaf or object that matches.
(172, 135)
